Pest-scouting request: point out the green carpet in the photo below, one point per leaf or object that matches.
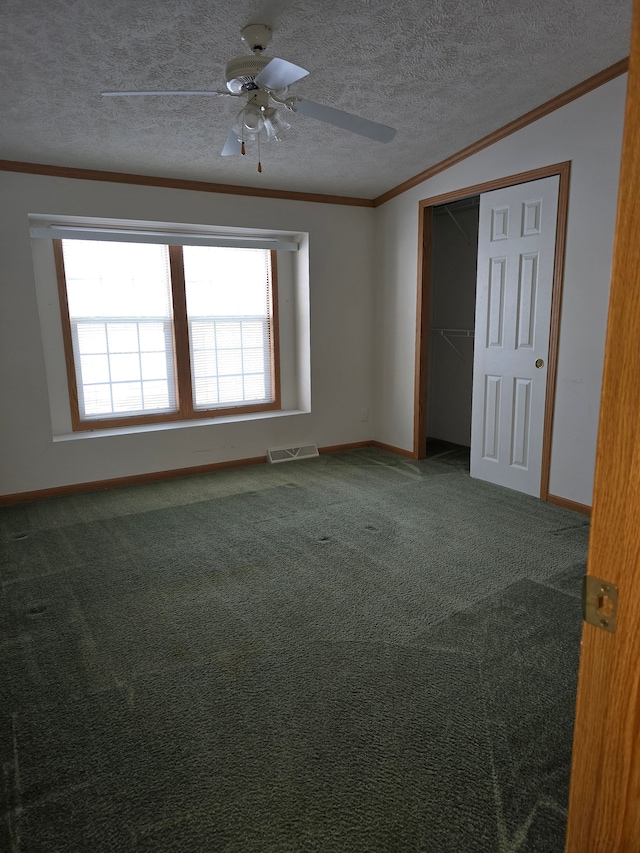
(352, 653)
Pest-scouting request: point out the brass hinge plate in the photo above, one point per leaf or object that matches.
(600, 603)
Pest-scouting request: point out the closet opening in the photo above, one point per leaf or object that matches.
(452, 305)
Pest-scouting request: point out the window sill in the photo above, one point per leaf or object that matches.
(176, 425)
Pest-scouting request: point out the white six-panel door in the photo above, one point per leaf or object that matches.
(516, 247)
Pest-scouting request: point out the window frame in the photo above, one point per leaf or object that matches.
(181, 354)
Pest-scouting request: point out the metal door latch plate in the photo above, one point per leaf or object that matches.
(600, 603)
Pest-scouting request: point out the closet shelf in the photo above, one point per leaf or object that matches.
(447, 334)
(455, 333)
(458, 226)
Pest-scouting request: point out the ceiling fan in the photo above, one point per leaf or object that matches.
(264, 82)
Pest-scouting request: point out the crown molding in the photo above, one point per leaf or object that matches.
(176, 183)
(560, 100)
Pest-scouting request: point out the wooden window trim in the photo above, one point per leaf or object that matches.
(181, 353)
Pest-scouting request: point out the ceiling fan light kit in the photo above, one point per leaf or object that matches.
(274, 124)
(263, 81)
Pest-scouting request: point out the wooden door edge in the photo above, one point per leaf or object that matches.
(604, 797)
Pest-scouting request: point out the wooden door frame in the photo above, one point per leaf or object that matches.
(425, 226)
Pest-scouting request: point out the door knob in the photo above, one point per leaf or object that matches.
(539, 362)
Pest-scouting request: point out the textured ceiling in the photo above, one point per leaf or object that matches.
(444, 72)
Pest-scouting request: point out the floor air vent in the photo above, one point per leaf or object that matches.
(289, 453)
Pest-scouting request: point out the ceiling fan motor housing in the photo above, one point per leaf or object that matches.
(242, 71)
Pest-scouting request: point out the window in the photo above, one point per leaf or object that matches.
(161, 332)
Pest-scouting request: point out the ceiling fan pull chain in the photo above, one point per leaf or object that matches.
(259, 163)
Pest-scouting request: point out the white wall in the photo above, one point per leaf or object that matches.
(588, 132)
(363, 280)
(341, 324)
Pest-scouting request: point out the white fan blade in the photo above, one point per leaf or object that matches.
(278, 74)
(347, 121)
(129, 94)
(232, 145)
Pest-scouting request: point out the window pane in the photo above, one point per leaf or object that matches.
(127, 396)
(252, 334)
(203, 336)
(229, 311)
(229, 361)
(205, 364)
(226, 282)
(253, 361)
(228, 335)
(230, 388)
(154, 365)
(152, 337)
(254, 387)
(124, 367)
(95, 368)
(120, 307)
(97, 399)
(92, 338)
(122, 337)
(116, 279)
(156, 395)
(206, 392)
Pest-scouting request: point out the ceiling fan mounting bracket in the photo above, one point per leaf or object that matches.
(256, 36)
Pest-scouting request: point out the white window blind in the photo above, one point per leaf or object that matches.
(228, 294)
(119, 298)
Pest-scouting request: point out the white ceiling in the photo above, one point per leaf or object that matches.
(444, 72)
